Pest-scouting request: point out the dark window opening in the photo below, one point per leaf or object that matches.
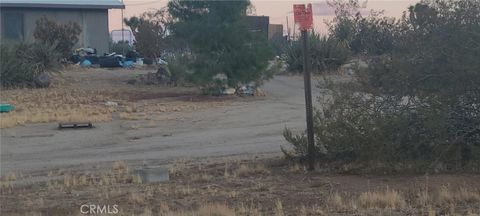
(13, 26)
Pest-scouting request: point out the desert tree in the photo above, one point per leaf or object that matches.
(219, 40)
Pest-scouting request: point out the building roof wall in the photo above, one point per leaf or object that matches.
(72, 4)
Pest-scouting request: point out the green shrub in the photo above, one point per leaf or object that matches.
(120, 47)
(326, 54)
(418, 102)
(177, 64)
(61, 36)
(22, 63)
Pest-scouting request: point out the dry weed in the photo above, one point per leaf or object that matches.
(248, 170)
(387, 199)
(215, 210)
(204, 177)
(279, 208)
(468, 196)
(248, 210)
(177, 167)
(335, 202)
(138, 198)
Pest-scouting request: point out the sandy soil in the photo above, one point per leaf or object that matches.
(223, 156)
(157, 124)
(244, 186)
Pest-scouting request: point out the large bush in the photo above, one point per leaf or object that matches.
(216, 36)
(418, 101)
(120, 47)
(61, 36)
(326, 54)
(22, 63)
(177, 65)
(150, 31)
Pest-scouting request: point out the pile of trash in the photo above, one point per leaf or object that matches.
(250, 89)
(87, 57)
(243, 90)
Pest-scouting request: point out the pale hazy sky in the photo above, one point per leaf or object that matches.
(277, 10)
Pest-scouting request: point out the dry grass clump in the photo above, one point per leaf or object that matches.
(279, 208)
(469, 196)
(204, 177)
(215, 210)
(177, 167)
(52, 104)
(132, 116)
(6, 183)
(120, 174)
(11, 176)
(390, 199)
(462, 195)
(120, 167)
(335, 201)
(245, 170)
(138, 198)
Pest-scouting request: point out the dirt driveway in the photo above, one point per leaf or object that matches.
(242, 126)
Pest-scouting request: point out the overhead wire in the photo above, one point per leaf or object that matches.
(142, 3)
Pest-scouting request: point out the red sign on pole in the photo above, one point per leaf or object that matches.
(303, 16)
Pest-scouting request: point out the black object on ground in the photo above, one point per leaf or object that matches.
(75, 125)
(148, 61)
(76, 59)
(109, 61)
(92, 59)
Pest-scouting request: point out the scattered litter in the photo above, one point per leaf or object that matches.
(111, 104)
(4, 107)
(228, 91)
(83, 51)
(86, 63)
(128, 64)
(246, 90)
(162, 62)
(139, 61)
(75, 125)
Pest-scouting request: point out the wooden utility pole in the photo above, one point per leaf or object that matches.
(308, 102)
(304, 17)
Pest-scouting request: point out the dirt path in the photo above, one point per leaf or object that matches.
(242, 127)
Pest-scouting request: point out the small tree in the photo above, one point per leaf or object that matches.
(219, 41)
(369, 35)
(62, 36)
(150, 31)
